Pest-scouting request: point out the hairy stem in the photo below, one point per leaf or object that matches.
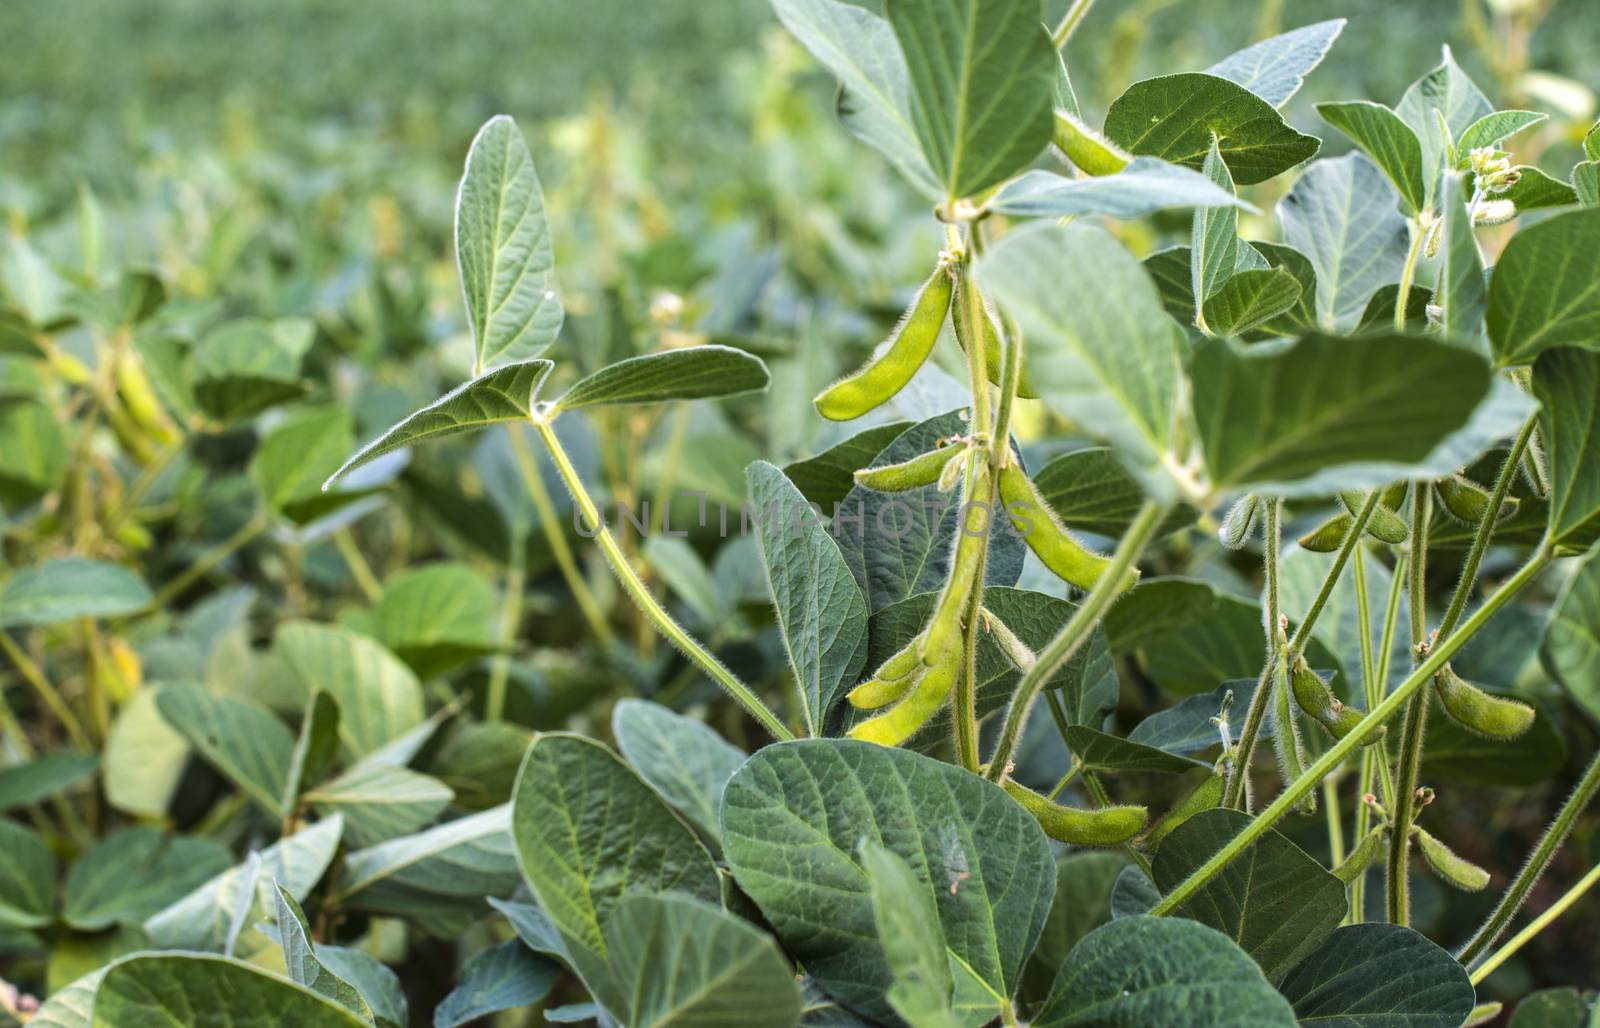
(1404, 811)
(1234, 794)
(653, 610)
(1069, 22)
(1408, 274)
(1371, 692)
(1352, 538)
(1480, 539)
(1536, 926)
(1336, 754)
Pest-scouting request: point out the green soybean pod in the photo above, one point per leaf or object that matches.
(1383, 524)
(1044, 533)
(909, 345)
(962, 318)
(1105, 826)
(1328, 536)
(1286, 729)
(944, 627)
(1240, 523)
(1493, 717)
(1086, 148)
(923, 469)
(1467, 501)
(1322, 706)
(1447, 864)
(891, 681)
(899, 722)
(1361, 856)
(1204, 796)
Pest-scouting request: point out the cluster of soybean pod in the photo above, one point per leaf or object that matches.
(914, 684)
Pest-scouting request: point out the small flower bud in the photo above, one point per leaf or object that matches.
(1495, 212)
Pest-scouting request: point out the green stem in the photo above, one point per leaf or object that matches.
(1408, 274)
(360, 570)
(1069, 22)
(1404, 811)
(47, 693)
(964, 709)
(653, 610)
(1372, 694)
(1536, 926)
(1330, 801)
(1235, 793)
(1480, 539)
(494, 707)
(1336, 754)
(1073, 634)
(1097, 792)
(550, 524)
(1066, 780)
(1500, 918)
(206, 563)
(1302, 632)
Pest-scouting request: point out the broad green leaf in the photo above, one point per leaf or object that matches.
(127, 877)
(436, 617)
(1448, 91)
(907, 919)
(534, 927)
(1146, 185)
(1551, 1008)
(693, 373)
(1302, 316)
(35, 288)
(681, 758)
(829, 476)
(1275, 901)
(1102, 751)
(1133, 893)
(1379, 975)
(1175, 117)
(300, 958)
(296, 456)
(586, 831)
(1543, 292)
(1214, 245)
(378, 985)
(479, 760)
(1322, 404)
(792, 820)
(683, 962)
(68, 588)
(23, 785)
(1251, 299)
(74, 956)
(503, 251)
(506, 394)
(158, 990)
(1112, 368)
(1462, 293)
(1388, 140)
(508, 976)
(1275, 68)
(1537, 190)
(379, 698)
(860, 49)
(1143, 970)
(821, 612)
(315, 749)
(1567, 383)
(437, 878)
(1186, 727)
(245, 743)
(1490, 129)
(1586, 183)
(688, 579)
(243, 367)
(1342, 214)
(1456, 754)
(202, 919)
(982, 75)
(381, 802)
(33, 452)
(899, 544)
(71, 1006)
(27, 878)
(1082, 903)
(1091, 491)
(144, 758)
(1572, 641)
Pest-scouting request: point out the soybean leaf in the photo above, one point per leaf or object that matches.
(437, 617)
(1379, 974)
(300, 958)
(982, 75)
(1567, 383)
(1490, 129)
(27, 878)
(1186, 727)
(503, 977)
(1105, 752)
(1146, 185)
(378, 985)
(1110, 366)
(1342, 214)
(68, 588)
(503, 251)
(1446, 90)
(203, 919)
(243, 367)
(1388, 140)
(1161, 970)
(381, 802)
(688, 579)
(586, 831)
(1543, 292)
(1133, 893)
(1572, 639)
(127, 877)
(437, 878)
(1275, 68)
(315, 748)
(1586, 183)
(479, 760)
(860, 49)
(907, 920)
(297, 456)
(821, 612)
(35, 287)
(379, 698)
(683, 961)
(1322, 406)
(829, 476)
(1457, 754)
(1251, 299)
(245, 743)
(1175, 117)
(1551, 1008)
(1082, 903)
(505, 394)
(693, 373)
(144, 758)
(33, 452)
(23, 785)
(1275, 901)
(681, 758)
(1303, 315)
(534, 927)
(792, 819)
(155, 990)
(1536, 190)
(1462, 294)
(1214, 235)
(1090, 490)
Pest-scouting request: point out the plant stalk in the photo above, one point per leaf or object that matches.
(360, 570)
(1235, 792)
(1480, 539)
(1536, 926)
(1404, 811)
(206, 563)
(1408, 274)
(48, 693)
(1069, 22)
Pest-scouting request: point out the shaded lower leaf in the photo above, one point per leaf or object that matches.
(1091, 491)
(681, 758)
(1571, 647)
(1379, 976)
(1082, 903)
(23, 785)
(508, 976)
(27, 878)
(1105, 752)
(829, 476)
(158, 990)
(67, 588)
(135, 873)
(246, 744)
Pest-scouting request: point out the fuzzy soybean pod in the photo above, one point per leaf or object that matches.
(1447, 864)
(1106, 826)
(923, 469)
(1383, 524)
(1361, 856)
(931, 689)
(976, 522)
(1322, 706)
(1240, 523)
(909, 345)
(1204, 796)
(1086, 148)
(1467, 501)
(139, 397)
(891, 681)
(1493, 717)
(1067, 558)
(1328, 536)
